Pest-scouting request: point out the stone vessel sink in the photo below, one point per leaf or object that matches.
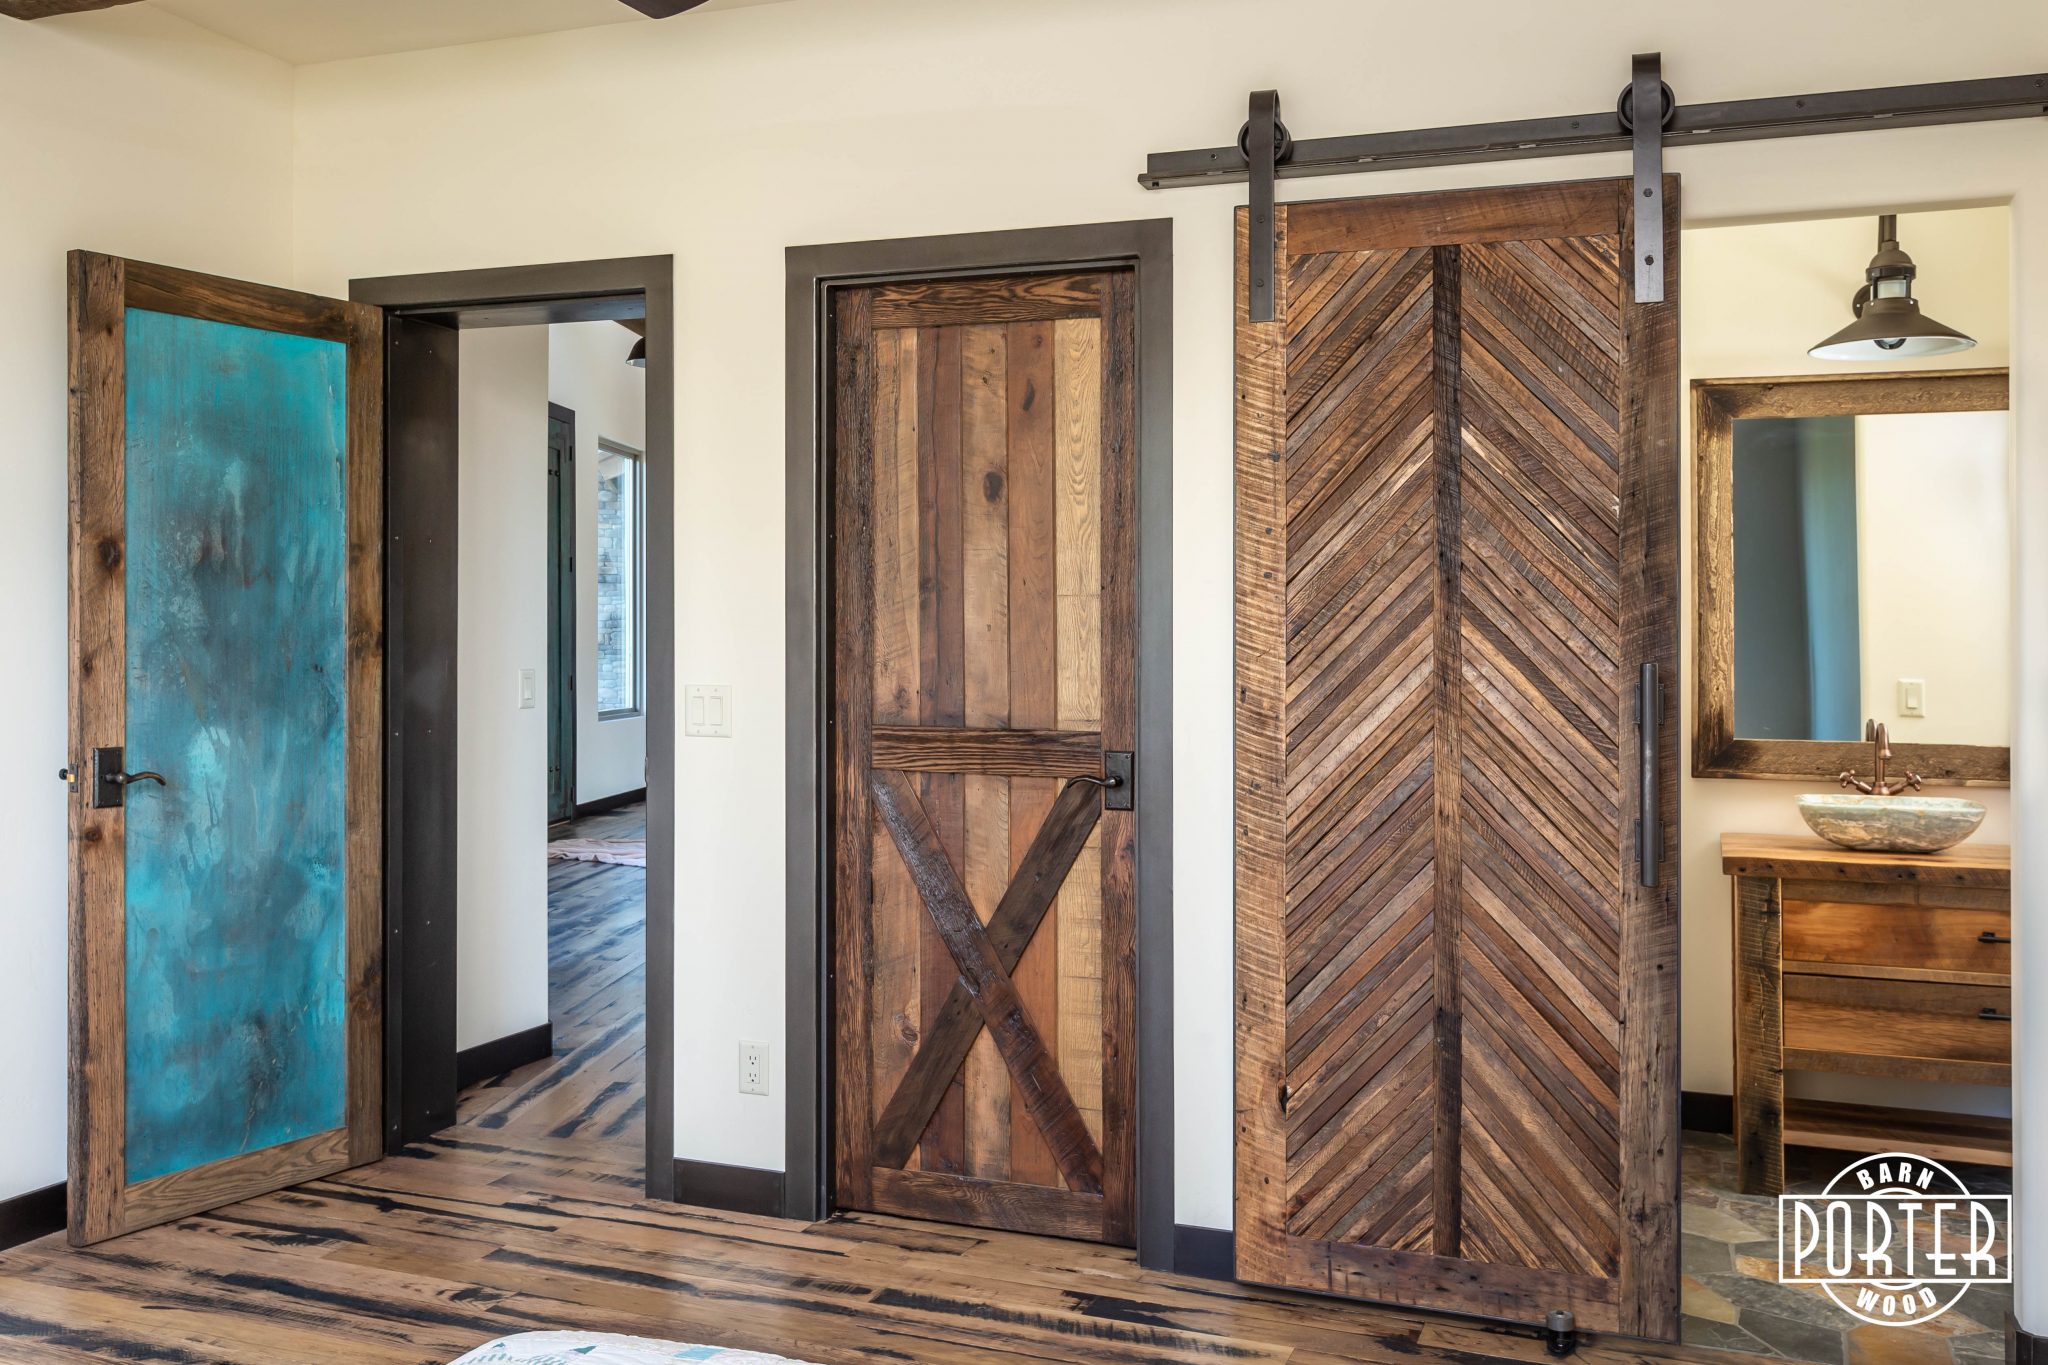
(1891, 824)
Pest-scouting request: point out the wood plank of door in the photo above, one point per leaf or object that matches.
(1456, 529)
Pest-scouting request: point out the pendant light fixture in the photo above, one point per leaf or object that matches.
(637, 357)
(1889, 323)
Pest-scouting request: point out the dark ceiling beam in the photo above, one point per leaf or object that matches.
(653, 9)
(45, 9)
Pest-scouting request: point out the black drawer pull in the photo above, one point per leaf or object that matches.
(1994, 1014)
(1992, 936)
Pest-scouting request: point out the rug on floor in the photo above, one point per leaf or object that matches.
(627, 852)
(589, 1348)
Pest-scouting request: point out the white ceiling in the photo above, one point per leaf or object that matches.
(304, 31)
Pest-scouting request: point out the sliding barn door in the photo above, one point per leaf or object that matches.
(1456, 551)
(982, 477)
(226, 647)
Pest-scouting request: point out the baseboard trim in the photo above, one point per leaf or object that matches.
(1206, 1253)
(733, 1189)
(1700, 1111)
(501, 1055)
(29, 1216)
(2023, 1347)
(609, 803)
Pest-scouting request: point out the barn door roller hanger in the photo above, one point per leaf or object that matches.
(1267, 152)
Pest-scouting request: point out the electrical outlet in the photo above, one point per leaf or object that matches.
(753, 1068)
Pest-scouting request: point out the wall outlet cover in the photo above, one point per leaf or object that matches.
(753, 1068)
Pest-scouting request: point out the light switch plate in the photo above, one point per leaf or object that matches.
(526, 690)
(707, 710)
(1913, 697)
(753, 1068)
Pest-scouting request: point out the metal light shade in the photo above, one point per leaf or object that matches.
(637, 357)
(1890, 328)
(1889, 323)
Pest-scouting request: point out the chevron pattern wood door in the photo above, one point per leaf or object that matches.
(983, 480)
(1456, 546)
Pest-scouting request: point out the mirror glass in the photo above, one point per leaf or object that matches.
(1872, 576)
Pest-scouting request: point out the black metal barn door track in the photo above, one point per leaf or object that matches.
(1266, 152)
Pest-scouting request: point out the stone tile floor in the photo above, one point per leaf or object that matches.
(1733, 1299)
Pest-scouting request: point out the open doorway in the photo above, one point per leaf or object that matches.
(550, 979)
(530, 557)
(1848, 1014)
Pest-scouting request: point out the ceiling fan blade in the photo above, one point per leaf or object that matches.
(663, 9)
(44, 9)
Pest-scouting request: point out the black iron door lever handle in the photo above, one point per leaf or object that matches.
(111, 778)
(1118, 772)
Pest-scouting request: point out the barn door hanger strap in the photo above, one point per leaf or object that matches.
(1647, 90)
(1265, 144)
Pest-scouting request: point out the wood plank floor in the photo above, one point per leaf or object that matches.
(527, 1216)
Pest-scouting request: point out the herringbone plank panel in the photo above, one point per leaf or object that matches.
(1361, 943)
(1540, 726)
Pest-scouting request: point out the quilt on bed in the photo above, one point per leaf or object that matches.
(589, 1348)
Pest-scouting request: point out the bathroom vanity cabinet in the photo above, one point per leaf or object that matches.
(1887, 965)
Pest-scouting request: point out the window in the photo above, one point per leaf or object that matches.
(621, 598)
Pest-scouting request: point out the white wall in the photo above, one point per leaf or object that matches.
(1933, 518)
(588, 373)
(501, 932)
(1754, 296)
(426, 162)
(140, 135)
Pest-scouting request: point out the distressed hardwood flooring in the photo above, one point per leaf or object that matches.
(527, 1216)
(591, 1092)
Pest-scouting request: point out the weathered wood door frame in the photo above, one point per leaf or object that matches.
(813, 273)
(426, 315)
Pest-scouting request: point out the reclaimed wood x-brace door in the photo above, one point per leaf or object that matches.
(983, 484)
(1456, 553)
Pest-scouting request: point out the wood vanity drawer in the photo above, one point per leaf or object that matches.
(1916, 1030)
(1916, 938)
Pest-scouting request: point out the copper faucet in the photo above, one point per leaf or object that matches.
(1876, 735)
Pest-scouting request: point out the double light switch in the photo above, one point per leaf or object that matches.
(707, 710)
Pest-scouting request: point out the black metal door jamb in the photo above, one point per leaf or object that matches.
(1265, 144)
(1646, 89)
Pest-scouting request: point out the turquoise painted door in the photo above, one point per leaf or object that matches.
(226, 648)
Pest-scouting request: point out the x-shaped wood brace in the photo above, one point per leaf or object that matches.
(985, 958)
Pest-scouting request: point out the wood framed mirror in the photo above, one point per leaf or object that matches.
(1853, 562)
